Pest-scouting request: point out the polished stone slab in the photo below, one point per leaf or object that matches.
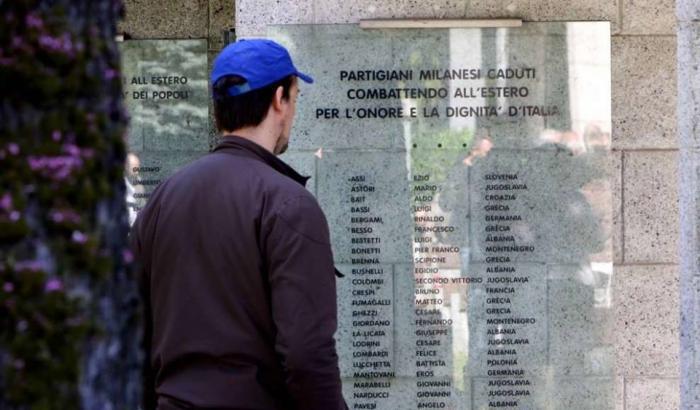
(551, 201)
(357, 186)
(416, 197)
(365, 336)
(166, 93)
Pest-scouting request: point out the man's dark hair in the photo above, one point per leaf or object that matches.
(249, 109)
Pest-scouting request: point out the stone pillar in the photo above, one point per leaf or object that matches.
(688, 13)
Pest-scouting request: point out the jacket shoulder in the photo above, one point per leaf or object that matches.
(303, 215)
(292, 206)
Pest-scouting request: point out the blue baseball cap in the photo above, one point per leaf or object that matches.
(259, 61)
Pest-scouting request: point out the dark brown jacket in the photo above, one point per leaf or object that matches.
(239, 285)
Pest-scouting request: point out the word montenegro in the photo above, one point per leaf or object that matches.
(439, 74)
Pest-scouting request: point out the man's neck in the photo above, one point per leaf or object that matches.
(255, 134)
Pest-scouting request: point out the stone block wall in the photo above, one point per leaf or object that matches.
(644, 142)
(688, 12)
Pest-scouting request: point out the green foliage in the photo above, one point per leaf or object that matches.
(61, 155)
(41, 331)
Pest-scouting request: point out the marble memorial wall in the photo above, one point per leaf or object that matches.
(465, 177)
(165, 85)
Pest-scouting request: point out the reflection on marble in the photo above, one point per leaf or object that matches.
(470, 215)
(145, 170)
(579, 305)
(478, 199)
(551, 199)
(166, 94)
(492, 339)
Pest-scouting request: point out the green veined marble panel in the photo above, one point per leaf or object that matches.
(465, 175)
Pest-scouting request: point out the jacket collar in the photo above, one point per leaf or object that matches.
(250, 149)
(255, 151)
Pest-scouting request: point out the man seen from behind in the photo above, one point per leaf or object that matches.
(236, 263)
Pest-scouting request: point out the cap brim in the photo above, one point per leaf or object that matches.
(306, 78)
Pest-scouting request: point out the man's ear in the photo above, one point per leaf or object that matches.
(278, 98)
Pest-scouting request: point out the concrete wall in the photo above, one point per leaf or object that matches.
(646, 149)
(689, 138)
